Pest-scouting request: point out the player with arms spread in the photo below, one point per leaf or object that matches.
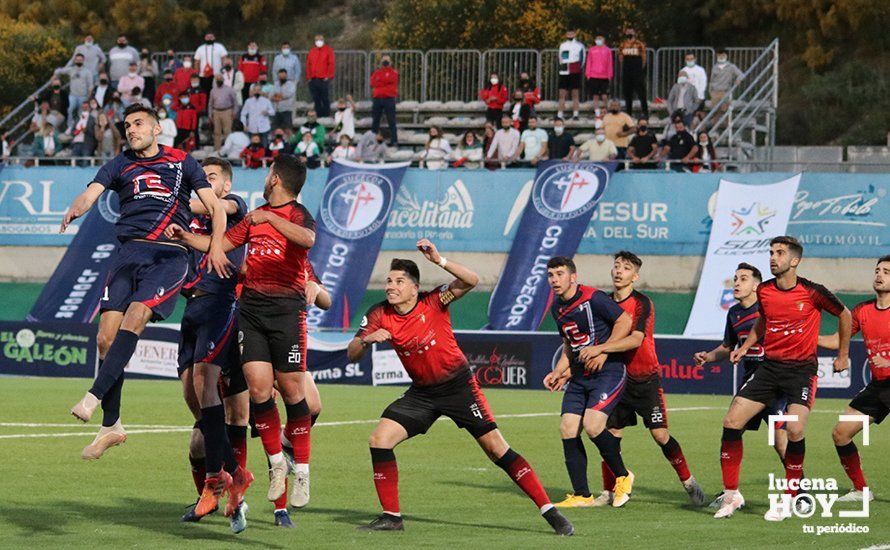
(418, 325)
(154, 184)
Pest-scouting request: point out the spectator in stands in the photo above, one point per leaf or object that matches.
(102, 92)
(167, 104)
(599, 72)
(571, 70)
(127, 82)
(265, 85)
(254, 154)
(277, 145)
(93, 56)
(168, 128)
(288, 61)
(384, 91)
(560, 143)
(136, 98)
(643, 148)
(251, 65)
(7, 147)
(371, 147)
(284, 93)
(186, 120)
(182, 77)
(83, 133)
(119, 59)
(308, 151)
(724, 75)
(619, 127)
(344, 119)
(698, 78)
(344, 151)
(488, 132)
(504, 148)
(494, 95)
(681, 148)
(46, 142)
(80, 83)
(166, 87)
(58, 104)
(682, 98)
(706, 156)
(318, 131)
(469, 152)
(531, 93)
(256, 114)
(173, 63)
(208, 60)
(237, 141)
(632, 56)
(221, 108)
(533, 143)
(148, 70)
(197, 95)
(42, 116)
(598, 149)
(115, 112)
(319, 73)
(104, 136)
(519, 112)
(437, 151)
(231, 77)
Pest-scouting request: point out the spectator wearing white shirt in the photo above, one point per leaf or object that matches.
(435, 155)
(697, 77)
(469, 152)
(533, 143)
(571, 70)
(168, 129)
(208, 60)
(308, 151)
(344, 118)
(504, 147)
(93, 56)
(598, 149)
(257, 113)
(344, 151)
(236, 142)
(119, 59)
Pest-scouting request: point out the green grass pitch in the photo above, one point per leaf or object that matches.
(451, 495)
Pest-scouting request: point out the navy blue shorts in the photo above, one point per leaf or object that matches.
(146, 272)
(208, 333)
(599, 391)
(779, 406)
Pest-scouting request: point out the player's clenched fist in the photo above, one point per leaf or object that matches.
(174, 232)
(258, 217)
(378, 336)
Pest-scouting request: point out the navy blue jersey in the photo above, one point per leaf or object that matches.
(198, 277)
(153, 192)
(739, 322)
(584, 320)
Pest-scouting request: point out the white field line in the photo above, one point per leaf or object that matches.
(155, 429)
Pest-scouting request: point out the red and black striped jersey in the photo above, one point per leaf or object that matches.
(642, 362)
(874, 323)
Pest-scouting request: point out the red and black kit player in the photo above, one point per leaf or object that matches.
(418, 325)
(872, 318)
(788, 329)
(153, 183)
(272, 311)
(210, 365)
(587, 317)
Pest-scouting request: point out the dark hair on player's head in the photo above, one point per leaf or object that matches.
(292, 172)
(224, 165)
(629, 256)
(883, 259)
(754, 271)
(140, 108)
(408, 266)
(793, 244)
(562, 261)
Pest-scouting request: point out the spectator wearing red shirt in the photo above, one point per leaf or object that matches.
(384, 90)
(319, 72)
(599, 72)
(251, 65)
(495, 95)
(168, 86)
(183, 75)
(186, 119)
(531, 92)
(197, 96)
(254, 154)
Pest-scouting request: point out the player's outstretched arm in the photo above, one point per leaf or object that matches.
(360, 344)
(200, 243)
(717, 354)
(829, 341)
(753, 337)
(216, 256)
(297, 234)
(466, 279)
(82, 204)
(197, 207)
(844, 331)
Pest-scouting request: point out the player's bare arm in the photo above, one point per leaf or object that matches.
(201, 243)
(465, 280)
(829, 341)
(557, 378)
(359, 346)
(844, 330)
(594, 357)
(753, 337)
(717, 354)
(216, 255)
(294, 233)
(82, 204)
(197, 207)
(317, 295)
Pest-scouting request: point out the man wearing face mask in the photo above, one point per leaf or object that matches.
(79, 85)
(186, 120)
(682, 100)
(221, 109)
(251, 65)
(599, 72)
(93, 56)
(256, 114)
(208, 58)
(384, 90)
(167, 86)
(598, 149)
(643, 147)
(102, 92)
(560, 143)
(697, 77)
(119, 59)
(724, 75)
(504, 148)
(58, 103)
(619, 127)
(632, 56)
(183, 75)
(284, 99)
(318, 131)
(289, 62)
(571, 59)
(319, 73)
(197, 96)
(129, 81)
(371, 147)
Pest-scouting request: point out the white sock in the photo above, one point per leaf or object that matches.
(546, 508)
(396, 514)
(301, 468)
(277, 458)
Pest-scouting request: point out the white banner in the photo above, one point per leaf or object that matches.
(745, 218)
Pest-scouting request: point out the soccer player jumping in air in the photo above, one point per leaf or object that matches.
(154, 184)
(418, 325)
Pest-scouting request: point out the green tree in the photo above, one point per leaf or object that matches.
(28, 54)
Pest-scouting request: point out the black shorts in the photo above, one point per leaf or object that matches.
(645, 399)
(597, 86)
(772, 381)
(273, 330)
(778, 407)
(460, 399)
(147, 272)
(570, 81)
(873, 400)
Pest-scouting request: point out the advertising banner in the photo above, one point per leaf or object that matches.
(47, 349)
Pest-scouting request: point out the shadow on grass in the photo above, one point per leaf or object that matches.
(362, 517)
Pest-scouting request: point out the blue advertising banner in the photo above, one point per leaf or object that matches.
(355, 206)
(658, 213)
(47, 349)
(553, 224)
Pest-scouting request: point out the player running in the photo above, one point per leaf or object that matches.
(418, 325)
(586, 317)
(788, 326)
(272, 314)
(739, 320)
(209, 358)
(154, 184)
(872, 317)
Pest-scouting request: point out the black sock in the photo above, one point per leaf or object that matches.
(576, 464)
(214, 421)
(315, 418)
(610, 450)
(115, 360)
(670, 446)
(111, 403)
(297, 410)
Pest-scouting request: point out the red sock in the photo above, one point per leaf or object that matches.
(268, 424)
(298, 430)
(849, 456)
(608, 477)
(794, 462)
(386, 479)
(523, 475)
(674, 454)
(199, 473)
(731, 451)
(281, 502)
(238, 439)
